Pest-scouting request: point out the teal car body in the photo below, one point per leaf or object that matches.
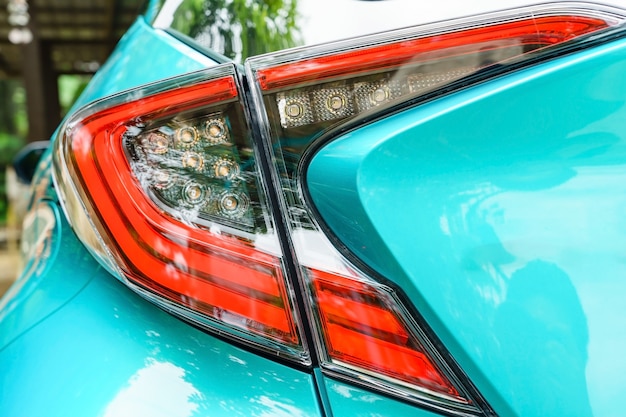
(502, 226)
(514, 257)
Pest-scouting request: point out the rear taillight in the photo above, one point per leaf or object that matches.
(365, 330)
(168, 177)
(307, 96)
(163, 185)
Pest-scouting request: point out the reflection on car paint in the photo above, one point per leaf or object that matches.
(159, 389)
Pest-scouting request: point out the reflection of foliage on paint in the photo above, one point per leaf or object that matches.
(239, 28)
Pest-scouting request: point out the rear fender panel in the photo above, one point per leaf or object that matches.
(503, 204)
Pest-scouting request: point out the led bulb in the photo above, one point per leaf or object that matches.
(187, 136)
(155, 142)
(193, 160)
(163, 179)
(294, 109)
(379, 95)
(233, 205)
(226, 169)
(336, 102)
(194, 193)
(216, 131)
(333, 103)
(373, 94)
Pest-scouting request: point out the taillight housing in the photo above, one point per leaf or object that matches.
(163, 185)
(306, 97)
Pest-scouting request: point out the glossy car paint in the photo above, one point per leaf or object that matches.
(503, 205)
(350, 400)
(144, 55)
(75, 341)
(81, 343)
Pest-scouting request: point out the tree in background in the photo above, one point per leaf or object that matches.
(13, 129)
(12, 108)
(14, 123)
(239, 28)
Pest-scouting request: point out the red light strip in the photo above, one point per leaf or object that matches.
(360, 330)
(546, 31)
(170, 102)
(218, 274)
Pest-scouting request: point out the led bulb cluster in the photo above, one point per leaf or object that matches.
(342, 99)
(193, 167)
(424, 82)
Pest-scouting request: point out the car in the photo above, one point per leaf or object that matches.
(298, 208)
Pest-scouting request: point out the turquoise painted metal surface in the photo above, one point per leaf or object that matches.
(41, 289)
(107, 352)
(504, 206)
(349, 400)
(76, 341)
(142, 56)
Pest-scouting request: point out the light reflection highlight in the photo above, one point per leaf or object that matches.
(159, 389)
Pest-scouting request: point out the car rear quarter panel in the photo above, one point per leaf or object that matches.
(503, 205)
(107, 352)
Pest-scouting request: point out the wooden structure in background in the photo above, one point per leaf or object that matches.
(68, 37)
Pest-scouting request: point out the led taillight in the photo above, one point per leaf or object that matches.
(168, 177)
(309, 95)
(322, 87)
(529, 34)
(162, 184)
(364, 330)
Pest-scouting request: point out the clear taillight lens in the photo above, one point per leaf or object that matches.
(307, 96)
(163, 185)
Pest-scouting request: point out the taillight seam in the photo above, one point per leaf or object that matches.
(276, 208)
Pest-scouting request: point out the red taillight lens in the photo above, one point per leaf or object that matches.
(367, 333)
(523, 35)
(170, 181)
(322, 87)
(363, 330)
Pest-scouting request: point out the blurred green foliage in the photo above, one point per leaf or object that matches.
(70, 88)
(13, 129)
(9, 146)
(239, 28)
(14, 121)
